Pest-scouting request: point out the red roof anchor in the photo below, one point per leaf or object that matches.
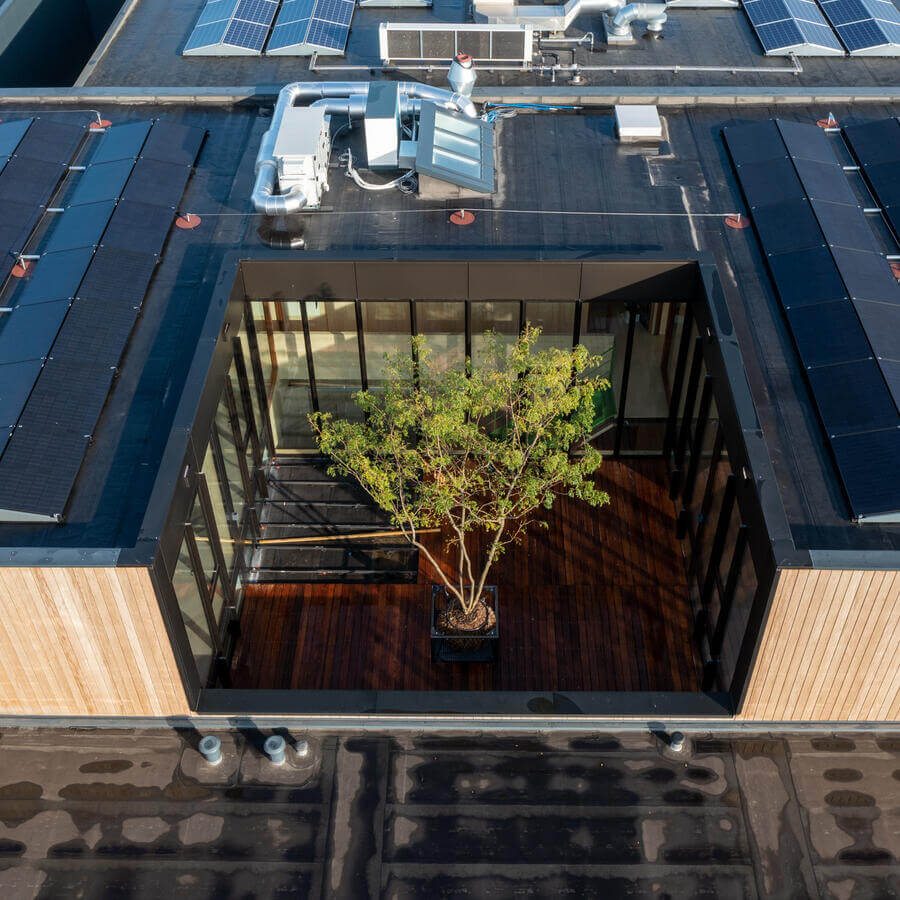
(23, 268)
(830, 122)
(462, 217)
(100, 125)
(738, 220)
(188, 221)
(895, 268)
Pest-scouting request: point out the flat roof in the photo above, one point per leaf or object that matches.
(619, 199)
(145, 43)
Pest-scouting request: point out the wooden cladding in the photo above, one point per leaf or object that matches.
(525, 279)
(830, 649)
(85, 641)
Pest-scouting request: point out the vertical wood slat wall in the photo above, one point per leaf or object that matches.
(830, 649)
(85, 641)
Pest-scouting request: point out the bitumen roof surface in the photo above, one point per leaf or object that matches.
(146, 51)
(134, 813)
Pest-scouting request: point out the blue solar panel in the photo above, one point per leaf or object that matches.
(865, 25)
(305, 26)
(791, 26)
(295, 11)
(245, 34)
(206, 35)
(217, 11)
(260, 12)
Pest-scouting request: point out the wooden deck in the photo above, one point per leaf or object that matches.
(598, 602)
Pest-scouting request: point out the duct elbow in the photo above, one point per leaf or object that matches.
(654, 14)
(264, 198)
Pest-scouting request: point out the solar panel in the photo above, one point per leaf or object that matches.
(787, 226)
(101, 182)
(305, 27)
(229, 28)
(882, 324)
(78, 226)
(865, 27)
(56, 277)
(139, 226)
(791, 26)
(16, 382)
(121, 142)
(876, 146)
(807, 277)
(96, 329)
(853, 397)
(159, 183)
(10, 135)
(121, 275)
(171, 142)
(867, 275)
(828, 333)
(16, 222)
(822, 181)
(51, 141)
(863, 460)
(28, 331)
(773, 181)
(29, 181)
(844, 226)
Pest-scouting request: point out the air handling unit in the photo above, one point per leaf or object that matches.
(432, 42)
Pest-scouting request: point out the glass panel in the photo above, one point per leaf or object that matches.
(230, 456)
(501, 317)
(604, 332)
(556, 321)
(443, 322)
(292, 395)
(244, 344)
(335, 348)
(386, 329)
(203, 539)
(219, 499)
(672, 345)
(191, 607)
(707, 528)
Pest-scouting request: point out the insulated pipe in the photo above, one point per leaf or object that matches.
(342, 97)
(654, 14)
(547, 18)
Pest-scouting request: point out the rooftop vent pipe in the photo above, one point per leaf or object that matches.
(654, 14)
(339, 98)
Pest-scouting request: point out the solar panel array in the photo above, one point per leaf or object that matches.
(865, 27)
(304, 27)
(792, 26)
(65, 336)
(231, 28)
(838, 294)
(876, 146)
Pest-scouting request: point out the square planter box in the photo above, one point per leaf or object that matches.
(450, 648)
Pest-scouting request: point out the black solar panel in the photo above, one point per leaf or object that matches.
(773, 181)
(16, 222)
(853, 397)
(56, 277)
(757, 142)
(885, 181)
(806, 142)
(96, 330)
(51, 141)
(159, 183)
(173, 143)
(118, 275)
(789, 226)
(78, 226)
(845, 226)
(29, 181)
(891, 370)
(828, 333)
(825, 181)
(139, 226)
(101, 182)
(867, 275)
(863, 461)
(121, 142)
(10, 135)
(16, 382)
(882, 324)
(807, 277)
(874, 142)
(28, 331)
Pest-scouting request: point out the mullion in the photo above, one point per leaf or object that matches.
(203, 586)
(241, 454)
(690, 401)
(361, 346)
(678, 382)
(626, 370)
(734, 572)
(718, 546)
(240, 368)
(259, 381)
(310, 366)
(699, 440)
(214, 539)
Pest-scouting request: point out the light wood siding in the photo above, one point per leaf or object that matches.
(830, 649)
(84, 641)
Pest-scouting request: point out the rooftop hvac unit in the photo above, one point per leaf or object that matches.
(431, 42)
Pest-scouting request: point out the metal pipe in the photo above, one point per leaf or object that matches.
(341, 97)
(654, 14)
(544, 18)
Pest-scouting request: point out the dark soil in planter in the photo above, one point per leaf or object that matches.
(453, 621)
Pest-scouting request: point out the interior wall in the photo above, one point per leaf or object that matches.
(85, 641)
(830, 649)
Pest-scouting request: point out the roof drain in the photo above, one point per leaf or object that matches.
(339, 98)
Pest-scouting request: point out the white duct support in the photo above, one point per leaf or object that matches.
(339, 98)
(654, 14)
(542, 18)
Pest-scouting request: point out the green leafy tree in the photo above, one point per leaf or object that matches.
(472, 450)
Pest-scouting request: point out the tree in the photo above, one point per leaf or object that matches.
(472, 449)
